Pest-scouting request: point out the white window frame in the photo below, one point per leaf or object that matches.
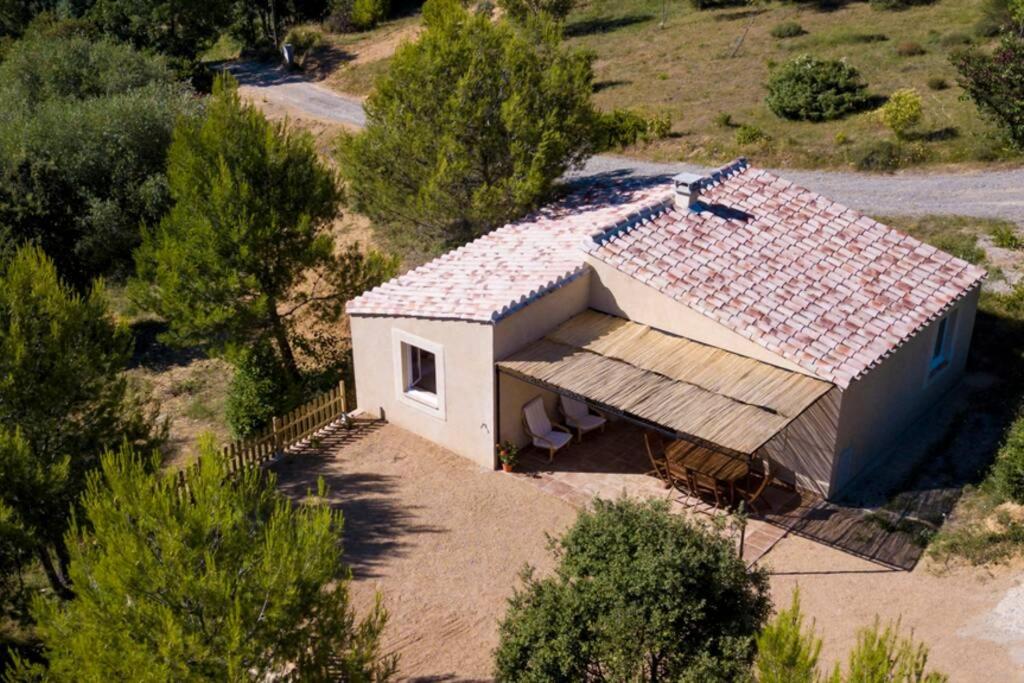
(402, 345)
(946, 327)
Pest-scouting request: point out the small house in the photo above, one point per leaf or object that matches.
(736, 310)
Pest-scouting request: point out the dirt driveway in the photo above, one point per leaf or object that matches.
(444, 541)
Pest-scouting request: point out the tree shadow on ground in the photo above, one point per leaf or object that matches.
(378, 524)
(152, 354)
(589, 27)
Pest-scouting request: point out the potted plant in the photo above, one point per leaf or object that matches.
(508, 453)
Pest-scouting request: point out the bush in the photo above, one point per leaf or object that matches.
(520, 10)
(811, 89)
(748, 134)
(716, 4)
(786, 652)
(902, 111)
(884, 155)
(356, 15)
(639, 594)
(724, 120)
(995, 18)
(258, 391)
(1008, 470)
(304, 41)
(623, 127)
(956, 39)
(996, 83)
(910, 49)
(1005, 237)
(787, 29)
(937, 83)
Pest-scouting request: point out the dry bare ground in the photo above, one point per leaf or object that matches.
(444, 541)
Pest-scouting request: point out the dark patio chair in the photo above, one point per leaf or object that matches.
(701, 483)
(759, 478)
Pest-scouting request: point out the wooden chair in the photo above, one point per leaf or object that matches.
(655, 448)
(702, 483)
(544, 434)
(757, 482)
(578, 416)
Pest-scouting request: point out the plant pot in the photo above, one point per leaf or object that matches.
(506, 467)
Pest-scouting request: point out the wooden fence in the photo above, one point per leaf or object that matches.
(285, 432)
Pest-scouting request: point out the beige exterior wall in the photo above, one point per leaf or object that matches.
(616, 293)
(467, 426)
(516, 331)
(878, 407)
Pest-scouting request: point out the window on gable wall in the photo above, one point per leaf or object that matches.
(942, 347)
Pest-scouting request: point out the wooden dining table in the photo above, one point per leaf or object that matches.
(726, 469)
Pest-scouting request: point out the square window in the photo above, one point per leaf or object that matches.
(419, 373)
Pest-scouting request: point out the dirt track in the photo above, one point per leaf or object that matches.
(991, 194)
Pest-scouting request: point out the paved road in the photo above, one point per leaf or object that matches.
(997, 194)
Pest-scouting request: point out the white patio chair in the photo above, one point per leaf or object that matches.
(544, 434)
(579, 417)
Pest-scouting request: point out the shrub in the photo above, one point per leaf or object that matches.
(1005, 237)
(748, 134)
(812, 89)
(996, 83)
(901, 112)
(724, 120)
(858, 38)
(304, 41)
(910, 49)
(995, 18)
(258, 391)
(1008, 470)
(716, 4)
(937, 83)
(787, 29)
(624, 127)
(786, 652)
(356, 15)
(520, 10)
(638, 594)
(885, 155)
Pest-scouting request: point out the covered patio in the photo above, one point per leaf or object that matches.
(715, 410)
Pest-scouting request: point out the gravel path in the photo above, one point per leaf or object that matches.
(992, 194)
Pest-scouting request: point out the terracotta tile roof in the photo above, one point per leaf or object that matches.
(820, 284)
(496, 274)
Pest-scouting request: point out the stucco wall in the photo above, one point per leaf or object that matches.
(467, 427)
(619, 294)
(878, 407)
(805, 450)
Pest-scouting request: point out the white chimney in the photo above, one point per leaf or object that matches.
(687, 189)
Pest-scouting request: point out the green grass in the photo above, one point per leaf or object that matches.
(957, 235)
(224, 49)
(686, 69)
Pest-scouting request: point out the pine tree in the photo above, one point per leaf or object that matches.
(63, 400)
(786, 653)
(470, 127)
(230, 581)
(246, 246)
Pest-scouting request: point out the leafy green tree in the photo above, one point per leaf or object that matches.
(246, 248)
(231, 582)
(996, 81)
(258, 391)
(84, 133)
(786, 652)
(470, 126)
(639, 594)
(521, 10)
(180, 29)
(63, 400)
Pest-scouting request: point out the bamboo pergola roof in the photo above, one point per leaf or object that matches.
(698, 391)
